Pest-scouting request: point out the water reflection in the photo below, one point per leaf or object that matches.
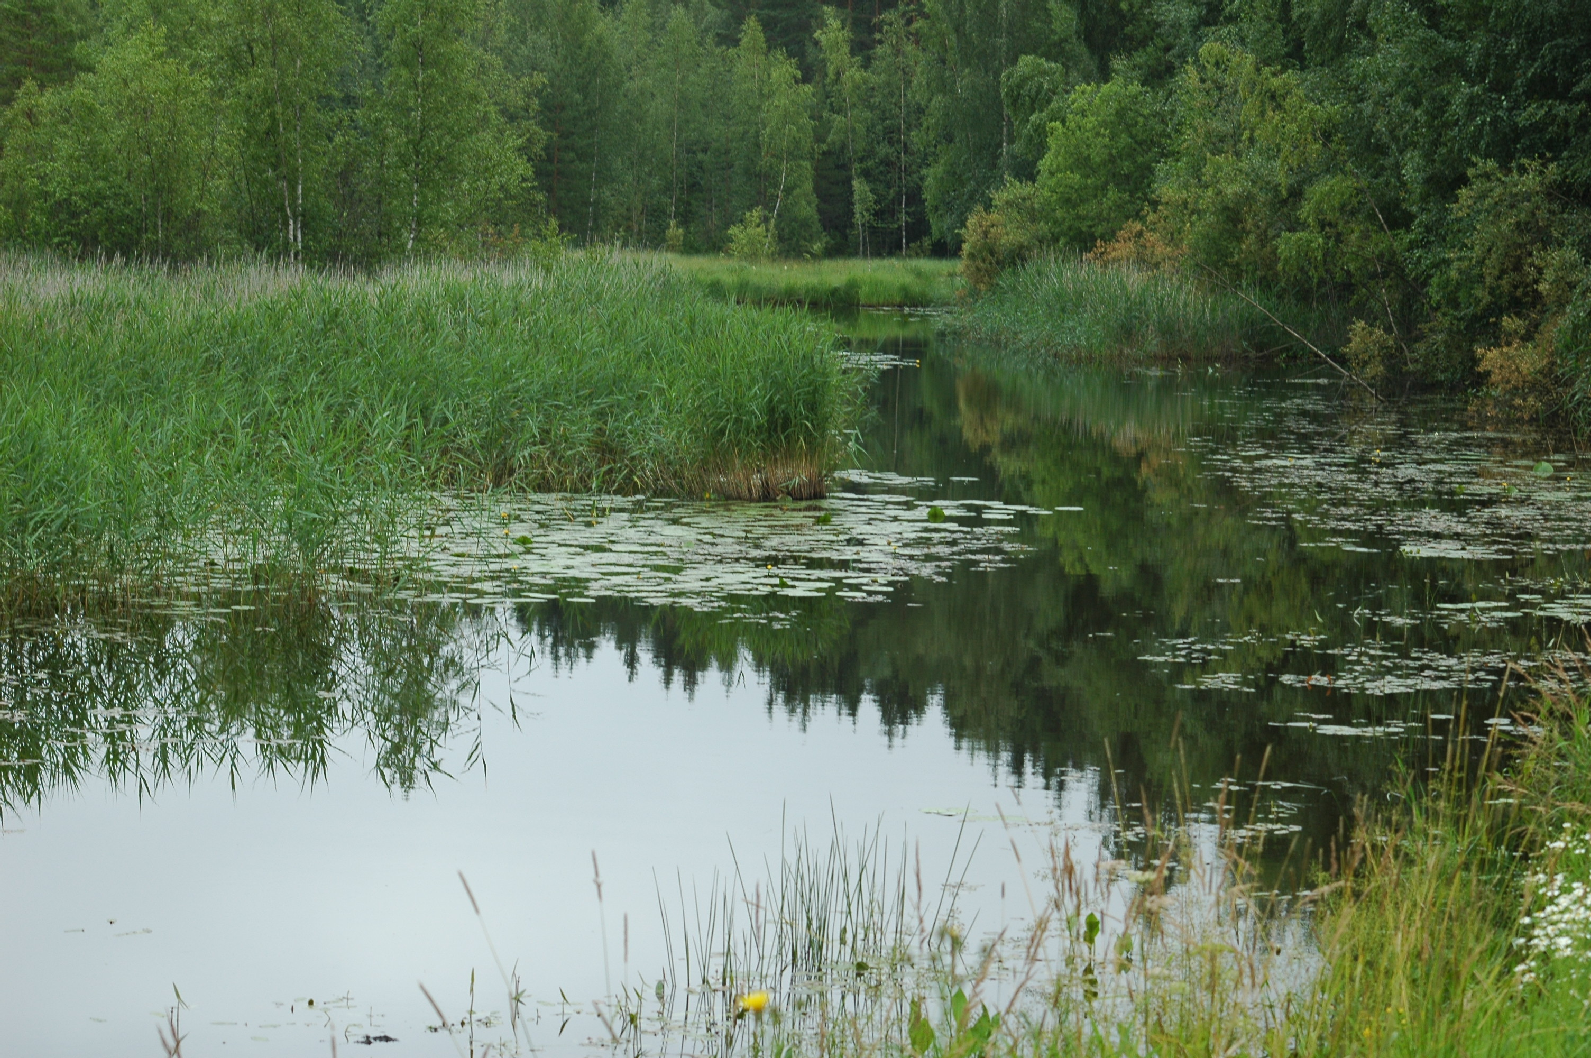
(1093, 562)
(243, 684)
(1096, 586)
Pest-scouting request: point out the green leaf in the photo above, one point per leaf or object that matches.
(1542, 469)
(936, 514)
(919, 1031)
(958, 1007)
(1090, 928)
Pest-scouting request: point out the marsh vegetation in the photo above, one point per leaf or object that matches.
(379, 387)
(274, 416)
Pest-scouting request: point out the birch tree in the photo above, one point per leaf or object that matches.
(451, 159)
(284, 56)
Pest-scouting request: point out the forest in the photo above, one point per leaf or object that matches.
(1416, 172)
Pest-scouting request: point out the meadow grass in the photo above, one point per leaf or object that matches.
(837, 283)
(1068, 307)
(1440, 936)
(295, 417)
(1454, 922)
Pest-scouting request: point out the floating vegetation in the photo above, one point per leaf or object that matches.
(858, 545)
(1393, 483)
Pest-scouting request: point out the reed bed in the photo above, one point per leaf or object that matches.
(1075, 309)
(883, 282)
(298, 418)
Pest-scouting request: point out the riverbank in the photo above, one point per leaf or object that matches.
(1074, 309)
(1456, 923)
(838, 283)
(296, 417)
(1453, 924)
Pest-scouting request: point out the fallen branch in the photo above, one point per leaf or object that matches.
(1311, 345)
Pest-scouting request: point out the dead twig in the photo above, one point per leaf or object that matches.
(1343, 371)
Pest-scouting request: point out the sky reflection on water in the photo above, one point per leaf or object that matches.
(266, 799)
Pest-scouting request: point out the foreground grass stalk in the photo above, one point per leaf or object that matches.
(1426, 936)
(1455, 923)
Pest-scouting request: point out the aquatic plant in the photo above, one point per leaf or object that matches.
(297, 418)
(1065, 306)
(896, 282)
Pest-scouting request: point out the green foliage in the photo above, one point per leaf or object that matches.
(282, 58)
(1516, 257)
(120, 160)
(306, 416)
(847, 85)
(1098, 170)
(38, 41)
(1573, 341)
(1248, 142)
(753, 239)
(968, 48)
(1331, 154)
(452, 163)
(774, 122)
(1034, 92)
(1014, 229)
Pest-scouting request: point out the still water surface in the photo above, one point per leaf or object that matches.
(1053, 594)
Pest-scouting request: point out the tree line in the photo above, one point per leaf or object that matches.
(1423, 165)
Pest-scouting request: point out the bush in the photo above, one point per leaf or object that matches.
(1514, 261)
(1573, 347)
(1013, 230)
(753, 239)
(1098, 171)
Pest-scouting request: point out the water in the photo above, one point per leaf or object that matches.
(1059, 595)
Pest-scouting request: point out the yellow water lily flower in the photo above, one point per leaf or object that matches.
(756, 1002)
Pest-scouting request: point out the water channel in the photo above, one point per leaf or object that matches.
(1043, 599)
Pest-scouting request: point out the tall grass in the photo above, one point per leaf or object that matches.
(1428, 941)
(1075, 309)
(883, 282)
(1455, 922)
(296, 417)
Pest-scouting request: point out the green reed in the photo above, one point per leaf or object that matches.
(1404, 942)
(1426, 934)
(297, 417)
(882, 282)
(1068, 307)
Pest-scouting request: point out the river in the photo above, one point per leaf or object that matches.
(1044, 600)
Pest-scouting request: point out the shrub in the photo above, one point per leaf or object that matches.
(753, 239)
(1100, 165)
(1014, 229)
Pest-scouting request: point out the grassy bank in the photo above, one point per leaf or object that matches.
(292, 416)
(1068, 307)
(1455, 923)
(883, 282)
(1463, 921)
